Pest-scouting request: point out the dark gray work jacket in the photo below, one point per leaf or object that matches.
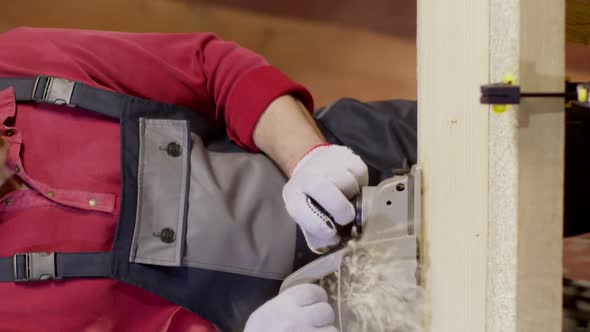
(202, 222)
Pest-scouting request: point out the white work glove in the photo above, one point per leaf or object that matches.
(331, 175)
(301, 308)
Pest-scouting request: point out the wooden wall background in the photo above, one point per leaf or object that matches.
(364, 49)
(331, 54)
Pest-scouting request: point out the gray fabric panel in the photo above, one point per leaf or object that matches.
(237, 220)
(162, 192)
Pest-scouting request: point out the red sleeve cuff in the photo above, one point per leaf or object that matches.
(251, 96)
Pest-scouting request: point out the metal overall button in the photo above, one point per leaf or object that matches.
(173, 149)
(166, 235)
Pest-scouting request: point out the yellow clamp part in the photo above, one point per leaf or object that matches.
(508, 79)
(499, 108)
(582, 94)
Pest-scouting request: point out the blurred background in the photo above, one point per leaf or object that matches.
(364, 49)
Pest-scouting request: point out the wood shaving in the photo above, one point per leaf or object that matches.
(375, 291)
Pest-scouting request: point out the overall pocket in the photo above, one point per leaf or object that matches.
(218, 211)
(237, 220)
(162, 197)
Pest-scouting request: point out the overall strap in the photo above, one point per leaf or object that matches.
(60, 91)
(36, 266)
(53, 90)
(39, 266)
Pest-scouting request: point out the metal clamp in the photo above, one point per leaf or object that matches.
(55, 91)
(502, 94)
(38, 266)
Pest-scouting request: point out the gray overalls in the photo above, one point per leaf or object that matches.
(202, 223)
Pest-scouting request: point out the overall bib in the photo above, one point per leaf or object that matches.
(202, 222)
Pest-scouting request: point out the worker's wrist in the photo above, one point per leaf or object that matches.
(298, 150)
(293, 165)
(286, 131)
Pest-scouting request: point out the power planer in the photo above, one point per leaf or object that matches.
(388, 212)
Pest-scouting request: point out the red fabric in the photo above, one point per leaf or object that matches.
(70, 157)
(247, 96)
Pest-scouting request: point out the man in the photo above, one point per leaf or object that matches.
(62, 171)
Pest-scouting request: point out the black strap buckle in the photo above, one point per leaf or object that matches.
(36, 266)
(53, 90)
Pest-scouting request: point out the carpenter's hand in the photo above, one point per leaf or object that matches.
(331, 175)
(302, 308)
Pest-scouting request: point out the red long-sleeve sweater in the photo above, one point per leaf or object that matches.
(69, 158)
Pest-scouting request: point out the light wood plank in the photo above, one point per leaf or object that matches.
(527, 169)
(492, 202)
(541, 140)
(453, 44)
(503, 149)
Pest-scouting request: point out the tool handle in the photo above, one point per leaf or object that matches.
(346, 232)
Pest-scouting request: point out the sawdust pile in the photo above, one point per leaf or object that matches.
(376, 291)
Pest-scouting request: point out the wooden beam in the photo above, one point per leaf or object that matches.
(493, 183)
(453, 50)
(527, 168)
